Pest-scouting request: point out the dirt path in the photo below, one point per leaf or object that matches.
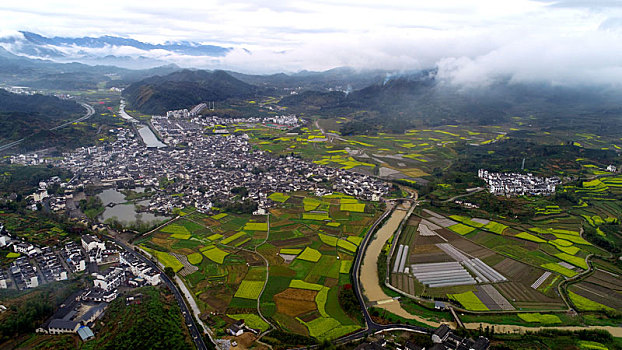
(369, 270)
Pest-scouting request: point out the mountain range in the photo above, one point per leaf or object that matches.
(106, 50)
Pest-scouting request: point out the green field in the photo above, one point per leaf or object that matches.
(585, 304)
(195, 258)
(315, 216)
(252, 321)
(469, 301)
(310, 254)
(495, 227)
(249, 289)
(292, 251)
(300, 284)
(559, 269)
(215, 255)
(219, 216)
(279, 197)
(256, 226)
(329, 240)
(461, 229)
(529, 237)
(175, 229)
(354, 207)
(166, 259)
(345, 266)
(574, 260)
(214, 237)
(181, 235)
(233, 237)
(311, 203)
(540, 318)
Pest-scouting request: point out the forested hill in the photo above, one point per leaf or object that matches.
(422, 100)
(184, 89)
(22, 115)
(43, 106)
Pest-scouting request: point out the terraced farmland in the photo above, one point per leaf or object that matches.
(310, 245)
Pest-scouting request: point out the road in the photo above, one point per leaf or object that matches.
(89, 112)
(195, 333)
(479, 189)
(371, 326)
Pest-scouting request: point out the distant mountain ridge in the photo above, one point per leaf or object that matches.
(183, 89)
(89, 49)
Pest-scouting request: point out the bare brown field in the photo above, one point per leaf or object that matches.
(606, 280)
(471, 248)
(290, 324)
(430, 258)
(517, 271)
(598, 294)
(420, 240)
(293, 305)
(517, 293)
(291, 242)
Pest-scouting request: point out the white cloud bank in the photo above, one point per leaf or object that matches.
(472, 43)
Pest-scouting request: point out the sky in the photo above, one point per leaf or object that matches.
(469, 41)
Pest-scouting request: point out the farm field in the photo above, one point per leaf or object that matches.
(527, 284)
(309, 243)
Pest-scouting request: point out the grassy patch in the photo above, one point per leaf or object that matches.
(300, 284)
(290, 251)
(342, 243)
(311, 203)
(233, 237)
(559, 269)
(216, 255)
(315, 216)
(495, 227)
(574, 260)
(469, 301)
(529, 237)
(279, 197)
(195, 258)
(252, 321)
(465, 220)
(329, 240)
(345, 266)
(591, 345)
(249, 289)
(214, 237)
(540, 318)
(256, 226)
(219, 216)
(181, 235)
(175, 229)
(461, 229)
(585, 304)
(310, 254)
(354, 207)
(320, 301)
(12, 255)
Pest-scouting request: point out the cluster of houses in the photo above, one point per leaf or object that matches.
(289, 121)
(83, 308)
(513, 184)
(442, 339)
(206, 168)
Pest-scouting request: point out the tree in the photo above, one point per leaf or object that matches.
(169, 272)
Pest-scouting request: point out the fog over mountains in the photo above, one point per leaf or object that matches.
(106, 50)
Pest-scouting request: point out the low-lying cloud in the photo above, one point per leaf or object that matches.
(564, 42)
